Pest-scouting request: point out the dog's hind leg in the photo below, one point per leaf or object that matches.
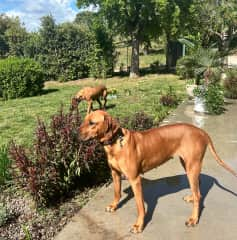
(188, 198)
(193, 172)
(105, 98)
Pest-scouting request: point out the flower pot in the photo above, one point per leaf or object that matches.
(189, 90)
(200, 105)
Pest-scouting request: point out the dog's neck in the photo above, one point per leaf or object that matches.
(117, 136)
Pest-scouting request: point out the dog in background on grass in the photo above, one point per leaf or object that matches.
(132, 153)
(90, 94)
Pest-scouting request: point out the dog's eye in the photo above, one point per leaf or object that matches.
(91, 123)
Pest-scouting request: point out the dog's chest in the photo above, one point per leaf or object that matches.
(114, 163)
(114, 159)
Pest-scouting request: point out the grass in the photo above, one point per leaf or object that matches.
(18, 117)
(124, 58)
(5, 163)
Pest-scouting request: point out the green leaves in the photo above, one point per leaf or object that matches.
(5, 164)
(20, 77)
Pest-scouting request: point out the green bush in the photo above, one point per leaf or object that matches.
(215, 99)
(230, 83)
(68, 51)
(185, 67)
(20, 77)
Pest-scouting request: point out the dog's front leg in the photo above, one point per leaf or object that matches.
(90, 107)
(138, 193)
(117, 191)
(100, 104)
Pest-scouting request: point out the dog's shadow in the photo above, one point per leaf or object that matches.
(154, 189)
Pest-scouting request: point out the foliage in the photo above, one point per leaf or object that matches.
(170, 98)
(138, 121)
(216, 21)
(12, 36)
(5, 164)
(70, 51)
(18, 116)
(215, 99)
(185, 67)
(16, 36)
(200, 91)
(131, 19)
(202, 63)
(6, 214)
(20, 77)
(213, 96)
(58, 160)
(230, 83)
(3, 215)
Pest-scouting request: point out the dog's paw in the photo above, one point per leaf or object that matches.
(110, 208)
(136, 229)
(188, 198)
(191, 222)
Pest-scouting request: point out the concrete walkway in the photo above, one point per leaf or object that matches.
(164, 188)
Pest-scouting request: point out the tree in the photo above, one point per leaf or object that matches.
(176, 22)
(12, 36)
(16, 36)
(4, 25)
(132, 19)
(96, 24)
(48, 47)
(217, 22)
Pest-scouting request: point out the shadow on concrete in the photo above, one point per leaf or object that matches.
(155, 189)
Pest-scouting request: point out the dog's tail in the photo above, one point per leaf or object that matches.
(218, 159)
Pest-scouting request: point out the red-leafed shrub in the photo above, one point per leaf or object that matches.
(139, 121)
(169, 99)
(58, 160)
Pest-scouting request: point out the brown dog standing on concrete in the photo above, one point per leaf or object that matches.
(134, 152)
(90, 94)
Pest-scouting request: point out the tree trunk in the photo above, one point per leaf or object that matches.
(174, 51)
(169, 55)
(134, 72)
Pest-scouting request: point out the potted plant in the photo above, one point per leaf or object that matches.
(209, 99)
(190, 86)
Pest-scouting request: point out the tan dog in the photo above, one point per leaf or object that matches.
(90, 94)
(135, 152)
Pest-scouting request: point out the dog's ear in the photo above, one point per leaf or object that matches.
(111, 127)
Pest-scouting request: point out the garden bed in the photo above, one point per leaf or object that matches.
(20, 217)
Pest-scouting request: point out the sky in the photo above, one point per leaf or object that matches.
(30, 11)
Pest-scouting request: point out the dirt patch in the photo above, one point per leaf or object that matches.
(24, 219)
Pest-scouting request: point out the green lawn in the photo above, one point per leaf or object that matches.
(18, 117)
(124, 58)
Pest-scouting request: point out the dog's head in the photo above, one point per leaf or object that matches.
(98, 125)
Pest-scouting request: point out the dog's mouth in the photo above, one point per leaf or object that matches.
(85, 137)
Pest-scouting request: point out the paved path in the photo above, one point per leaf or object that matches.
(164, 188)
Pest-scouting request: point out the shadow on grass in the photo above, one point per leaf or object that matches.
(161, 69)
(47, 91)
(155, 189)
